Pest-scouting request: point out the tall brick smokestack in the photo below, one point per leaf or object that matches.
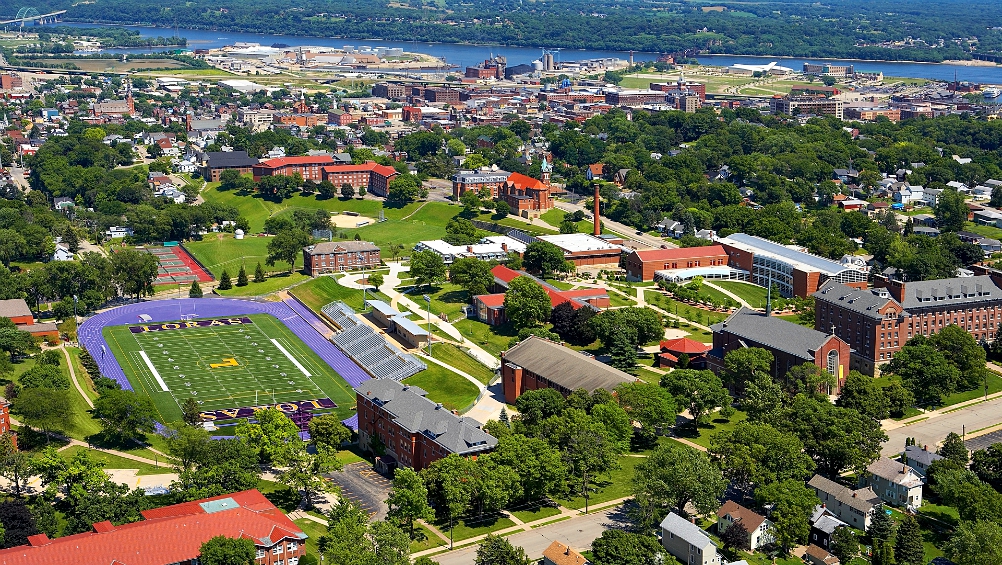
(598, 221)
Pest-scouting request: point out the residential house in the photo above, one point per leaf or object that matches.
(894, 482)
(115, 232)
(687, 543)
(561, 554)
(818, 556)
(595, 171)
(988, 217)
(758, 527)
(669, 227)
(854, 507)
(930, 196)
(919, 459)
(909, 194)
(823, 525)
(62, 253)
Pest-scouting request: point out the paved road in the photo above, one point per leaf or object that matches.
(932, 431)
(577, 532)
(629, 232)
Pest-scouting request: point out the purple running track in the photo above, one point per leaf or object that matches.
(300, 320)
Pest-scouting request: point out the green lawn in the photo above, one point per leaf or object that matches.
(554, 217)
(987, 231)
(461, 360)
(648, 376)
(750, 293)
(319, 292)
(511, 222)
(81, 424)
(218, 251)
(535, 512)
(615, 484)
(691, 313)
(453, 391)
(446, 298)
(473, 526)
(314, 530)
(492, 339)
(617, 299)
(994, 385)
(273, 283)
(260, 370)
(711, 425)
(117, 462)
(424, 539)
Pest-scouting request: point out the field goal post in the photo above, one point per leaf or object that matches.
(187, 316)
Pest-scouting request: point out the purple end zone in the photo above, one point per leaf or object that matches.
(300, 320)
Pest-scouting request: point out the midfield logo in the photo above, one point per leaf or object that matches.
(287, 407)
(190, 324)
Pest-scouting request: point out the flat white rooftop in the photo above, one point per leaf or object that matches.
(578, 242)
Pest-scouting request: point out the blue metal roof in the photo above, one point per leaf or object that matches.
(772, 248)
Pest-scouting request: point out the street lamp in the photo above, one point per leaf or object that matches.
(428, 300)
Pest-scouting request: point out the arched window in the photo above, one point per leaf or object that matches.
(833, 362)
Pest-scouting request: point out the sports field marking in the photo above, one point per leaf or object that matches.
(156, 374)
(291, 358)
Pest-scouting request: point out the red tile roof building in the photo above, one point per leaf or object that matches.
(310, 167)
(172, 535)
(373, 176)
(641, 265)
(528, 197)
(490, 307)
(672, 349)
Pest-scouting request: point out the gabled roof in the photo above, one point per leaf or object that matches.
(774, 333)
(686, 530)
(372, 166)
(863, 499)
(895, 472)
(15, 307)
(684, 345)
(865, 302)
(304, 160)
(921, 456)
(564, 366)
(228, 159)
(561, 554)
(170, 534)
(523, 182)
(737, 513)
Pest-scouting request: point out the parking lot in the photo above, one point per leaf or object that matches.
(367, 488)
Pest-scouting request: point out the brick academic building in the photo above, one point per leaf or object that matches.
(309, 167)
(339, 256)
(536, 363)
(641, 265)
(373, 176)
(414, 431)
(878, 321)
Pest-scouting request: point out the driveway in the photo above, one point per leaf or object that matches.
(932, 431)
(367, 488)
(577, 532)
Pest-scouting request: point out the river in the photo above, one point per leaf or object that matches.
(463, 55)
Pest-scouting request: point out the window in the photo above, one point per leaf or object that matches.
(260, 554)
(833, 362)
(278, 550)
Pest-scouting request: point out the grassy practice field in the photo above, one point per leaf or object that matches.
(226, 366)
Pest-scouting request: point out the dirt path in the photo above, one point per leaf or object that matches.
(73, 377)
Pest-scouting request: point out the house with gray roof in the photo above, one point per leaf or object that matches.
(854, 507)
(919, 458)
(412, 430)
(894, 482)
(823, 525)
(687, 542)
(790, 344)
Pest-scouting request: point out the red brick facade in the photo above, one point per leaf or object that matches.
(310, 168)
(373, 176)
(641, 265)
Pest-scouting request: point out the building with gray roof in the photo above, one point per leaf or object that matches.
(413, 430)
(877, 322)
(795, 271)
(854, 507)
(687, 542)
(919, 458)
(540, 363)
(790, 344)
(894, 482)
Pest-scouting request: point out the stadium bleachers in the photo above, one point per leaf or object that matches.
(365, 347)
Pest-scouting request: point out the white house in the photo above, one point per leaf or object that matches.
(170, 192)
(919, 458)
(62, 253)
(115, 232)
(909, 194)
(894, 482)
(759, 527)
(687, 542)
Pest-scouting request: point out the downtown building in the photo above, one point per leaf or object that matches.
(877, 322)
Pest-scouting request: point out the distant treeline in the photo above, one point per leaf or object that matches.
(116, 36)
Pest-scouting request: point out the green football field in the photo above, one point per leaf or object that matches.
(225, 366)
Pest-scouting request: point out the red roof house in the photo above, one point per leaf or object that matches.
(172, 534)
(490, 307)
(672, 349)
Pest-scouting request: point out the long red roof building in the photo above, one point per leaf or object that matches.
(172, 535)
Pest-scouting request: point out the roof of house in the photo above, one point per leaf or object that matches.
(735, 512)
(521, 181)
(684, 345)
(348, 246)
(920, 455)
(304, 160)
(229, 159)
(15, 307)
(824, 520)
(895, 472)
(170, 534)
(596, 169)
(863, 499)
(560, 554)
(680, 253)
(563, 366)
(819, 555)
(774, 333)
(491, 300)
(686, 530)
(414, 412)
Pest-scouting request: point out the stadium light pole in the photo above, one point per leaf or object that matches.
(428, 300)
(77, 322)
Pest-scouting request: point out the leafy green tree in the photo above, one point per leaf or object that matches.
(46, 409)
(188, 444)
(763, 397)
(376, 280)
(497, 550)
(195, 290)
(754, 454)
(45, 376)
(526, 304)
(471, 202)
(899, 399)
(809, 379)
(16, 342)
(964, 352)
(408, 499)
(405, 188)
(741, 365)
(259, 273)
(347, 191)
(672, 477)
(951, 211)
(953, 448)
(535, 406)
(976, 543)
(844, 544)
(619, 547)
(543, 257)
(616, 422)
(286, 247)
(134, 272)
(699, 392)
(649, 405)
(473, 274)
(793, 503)
(191, 413)
(222, 550)
(125, 415)
(328, 432)
(646, 322)
(427, 267)
(15, 465)
(450, 482)
(862, 394)
(274, 435)
(908, 549)
(538, 463)
(502, 209)
(987, 464)
(588, 450)
(838, 439)
(224, 281)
